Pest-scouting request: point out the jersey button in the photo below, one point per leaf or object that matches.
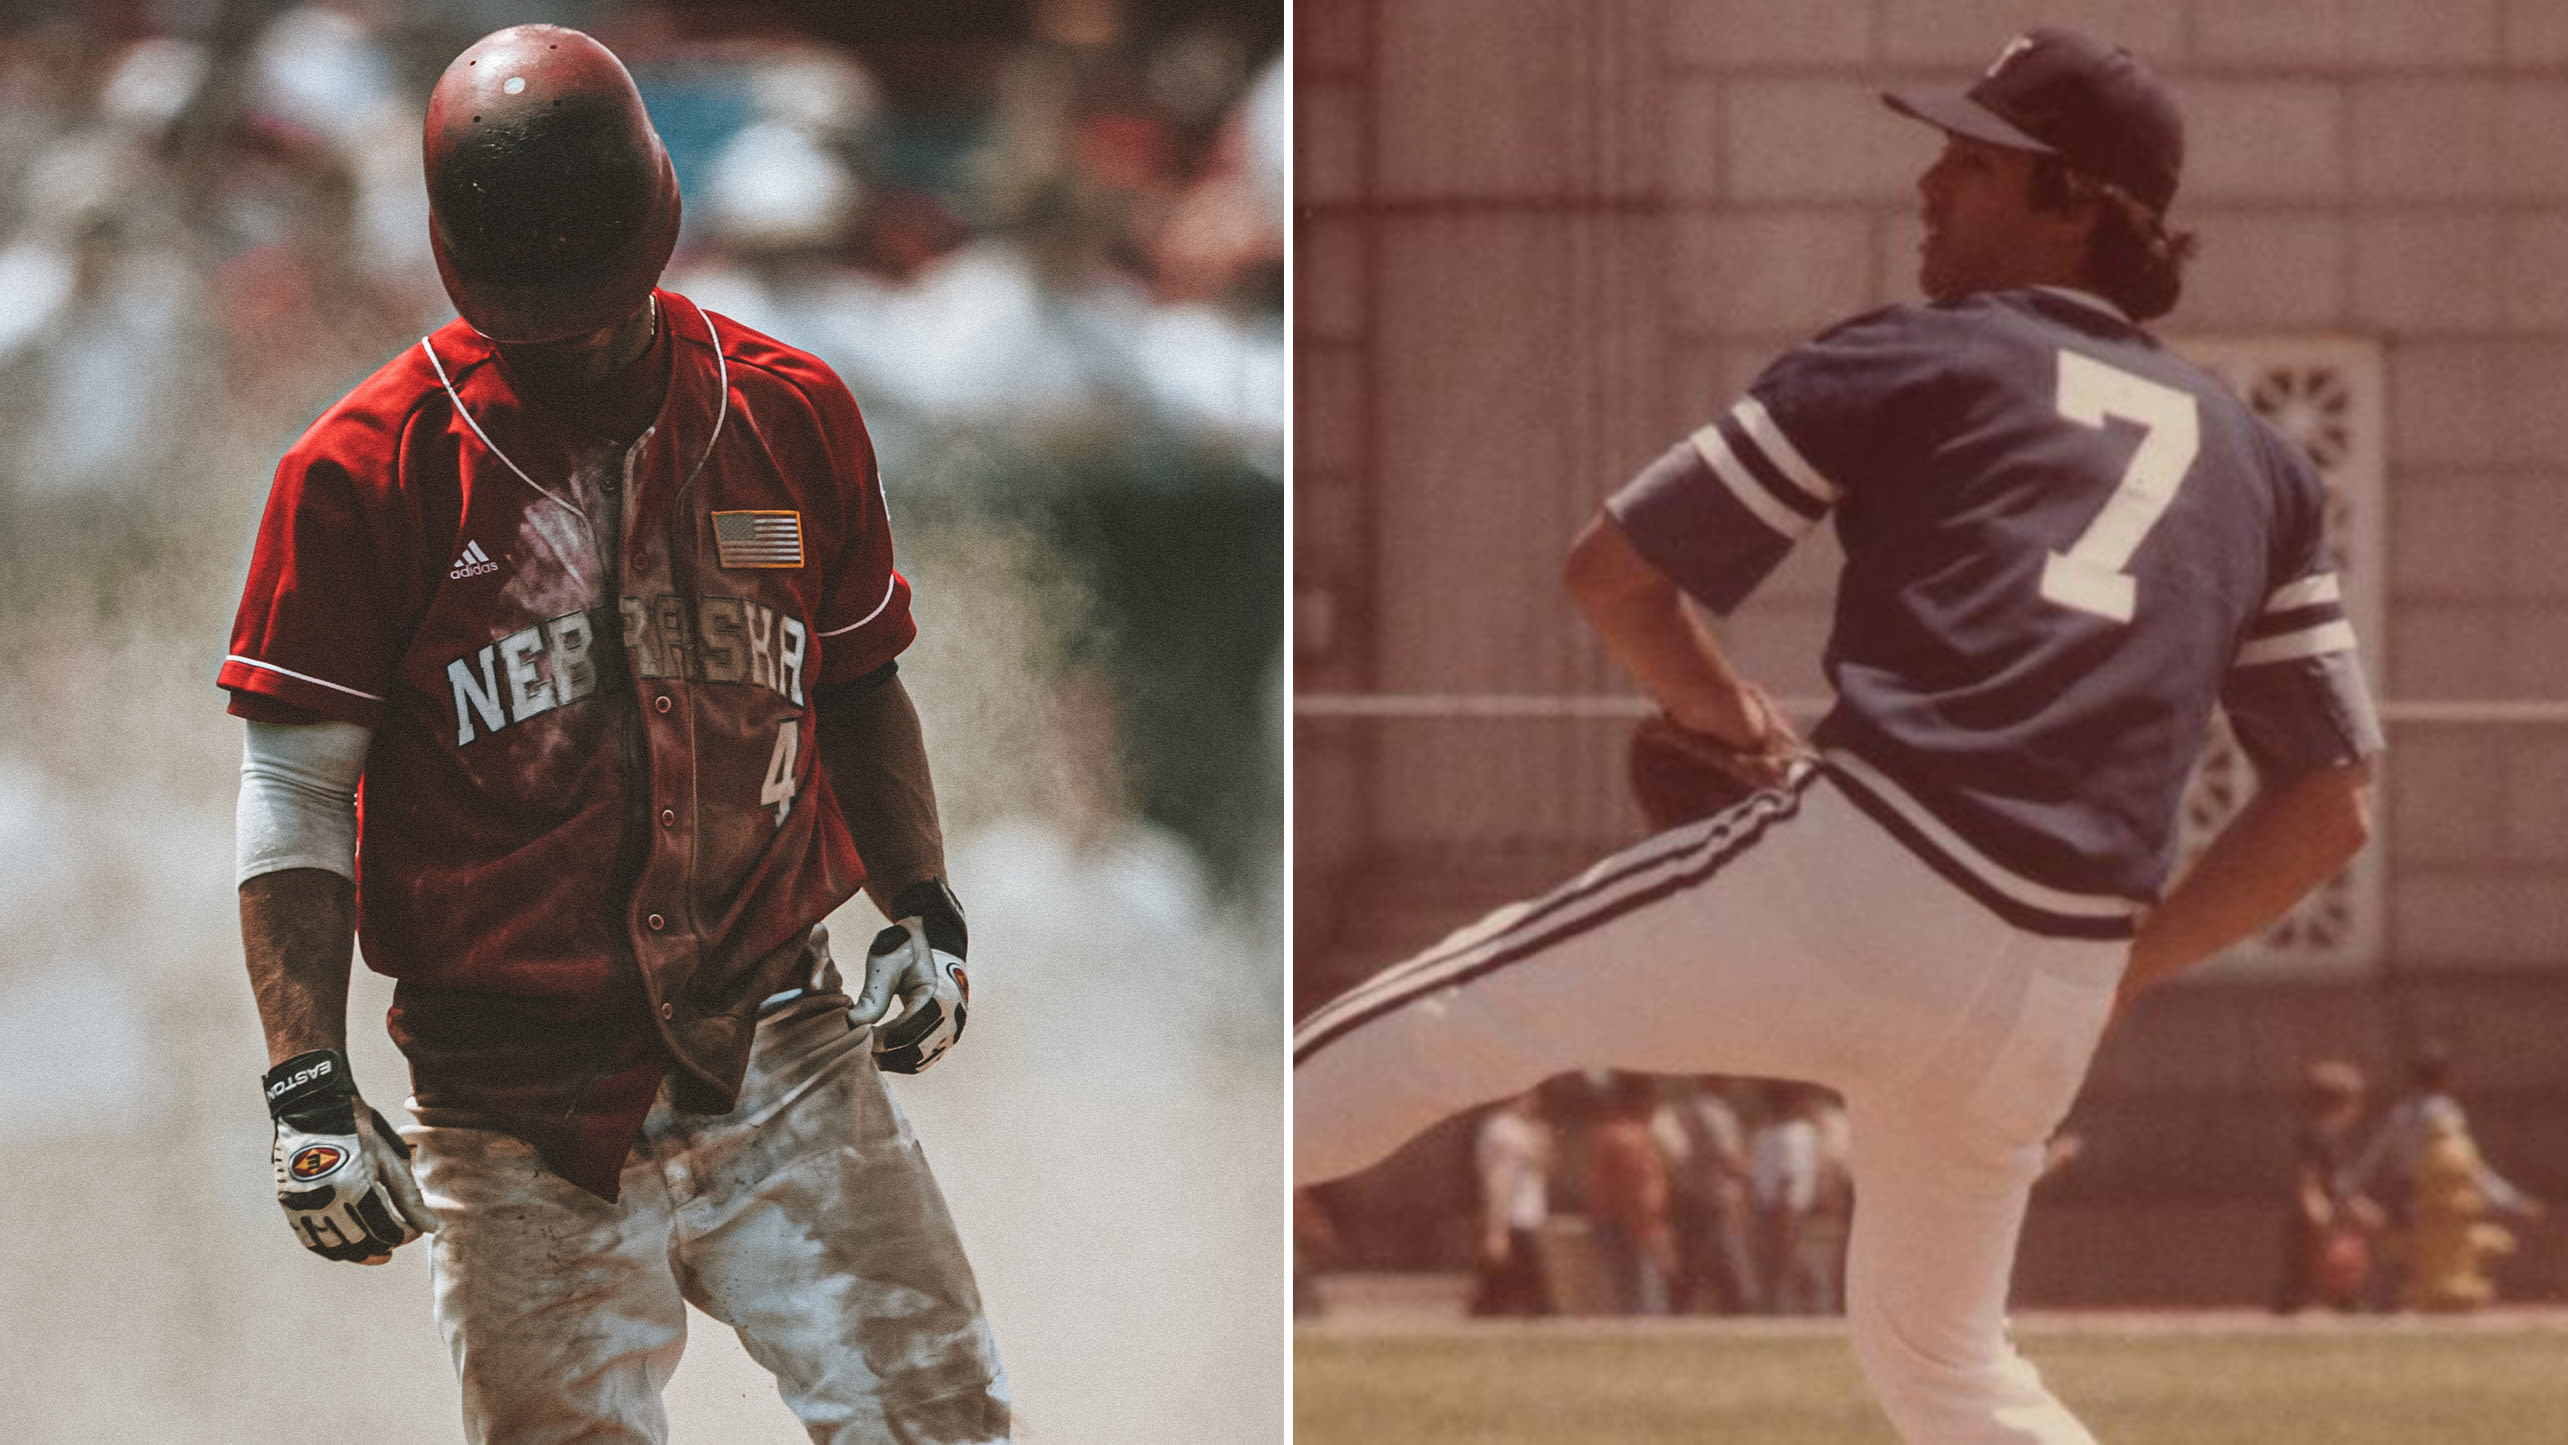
(660, 703)
(668, 1010)
(668, 817)
(641, 563)
(657, 922)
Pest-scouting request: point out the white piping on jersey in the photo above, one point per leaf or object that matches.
(440, 368)
(1786, 457)
(721, 414)
(1714, 448)
(298, 676)
(2318, 641)
(721, 391)
(2307, 592)
(1988, 870)
(2090, 300)
(888, 588)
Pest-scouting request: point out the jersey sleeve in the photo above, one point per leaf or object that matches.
(317, 630)
(1724, 507)
(864, 620)
(2295, 693)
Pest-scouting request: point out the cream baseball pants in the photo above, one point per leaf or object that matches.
(1790, 937)
(805, 1219)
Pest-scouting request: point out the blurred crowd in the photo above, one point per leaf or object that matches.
(1619, 1193)
(212, 221)
(1623, 1193)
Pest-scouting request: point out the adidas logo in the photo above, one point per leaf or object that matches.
(473, 563)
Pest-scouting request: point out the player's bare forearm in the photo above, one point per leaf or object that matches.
(877, 760)
(298, 929)
(2291, 837)
(1640, 617)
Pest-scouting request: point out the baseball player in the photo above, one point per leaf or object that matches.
(2064, 547)
(577, 622)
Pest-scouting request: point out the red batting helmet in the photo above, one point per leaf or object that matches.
(551, 204)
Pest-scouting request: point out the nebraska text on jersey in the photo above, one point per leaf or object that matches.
(703, 639)
(594, 834)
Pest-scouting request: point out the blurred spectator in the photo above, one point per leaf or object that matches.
(99, 305)
(1829, 1232)
(2448, 1240)
(299, 315)
(1627, 1197)
(2387, 1167)
(97, 379)
(2327, 1234)
(1513, 1157)
(1794, 1174)
(1707, 1156)
(1229, 223)
(2390, 1167)
(1314, 1241)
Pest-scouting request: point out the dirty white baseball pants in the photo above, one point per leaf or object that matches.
(806, 1220)
(1791, 937)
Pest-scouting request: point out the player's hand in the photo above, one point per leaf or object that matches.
(342, 1175)
(1745, 734)
(1681, 771)
(919, 960)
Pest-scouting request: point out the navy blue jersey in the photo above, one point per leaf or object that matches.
(2065, 546)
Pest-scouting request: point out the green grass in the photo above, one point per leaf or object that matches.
(1534, 1387)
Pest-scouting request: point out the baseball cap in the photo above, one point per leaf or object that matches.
(2060, 93)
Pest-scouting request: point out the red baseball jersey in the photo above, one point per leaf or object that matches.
(593, 832)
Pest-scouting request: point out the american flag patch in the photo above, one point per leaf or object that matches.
(758, 539)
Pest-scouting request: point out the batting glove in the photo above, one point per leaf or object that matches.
(919, 959)
(346, 1187)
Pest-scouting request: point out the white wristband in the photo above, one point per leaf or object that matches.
(298, 804)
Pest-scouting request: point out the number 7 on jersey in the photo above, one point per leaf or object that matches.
(2090, 576)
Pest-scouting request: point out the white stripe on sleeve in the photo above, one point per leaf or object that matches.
(2307, 592)
(2326, 637)
(1743, 484)
(1786, 457)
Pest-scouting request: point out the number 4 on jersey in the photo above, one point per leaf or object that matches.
(2090, 576)
(779, 786)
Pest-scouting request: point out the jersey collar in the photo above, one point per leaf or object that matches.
(692, 413)
(2079, 296)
